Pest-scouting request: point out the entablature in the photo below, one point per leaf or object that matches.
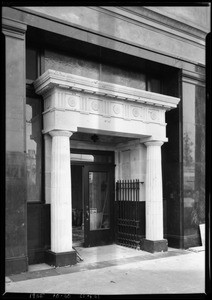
(77, 103)
(51, 79)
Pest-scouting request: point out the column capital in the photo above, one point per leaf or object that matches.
(46, 136)
(61, 133)
(154, 143)
(13, 28)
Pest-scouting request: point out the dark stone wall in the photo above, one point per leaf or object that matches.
(183, 161)
(38, 231)
(193, 162)
(200, 112)
(172, 180)
(183, 204)
(15, 204)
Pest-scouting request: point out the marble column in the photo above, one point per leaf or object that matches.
(61, 252)
(48, 150)
(154, 241)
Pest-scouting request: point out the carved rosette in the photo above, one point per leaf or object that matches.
(117, 109)
(72, 101)
(95, 105)
(137, 112)
(154, 115)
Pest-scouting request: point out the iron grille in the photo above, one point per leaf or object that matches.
(128, 223)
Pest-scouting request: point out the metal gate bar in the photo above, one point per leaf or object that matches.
(127, 199)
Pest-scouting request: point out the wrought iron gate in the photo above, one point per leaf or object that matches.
(127, 210)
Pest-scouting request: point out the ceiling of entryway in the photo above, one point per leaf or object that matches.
(100, 139)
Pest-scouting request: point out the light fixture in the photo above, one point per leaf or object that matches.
(94, 138)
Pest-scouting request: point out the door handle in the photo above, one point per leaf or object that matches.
(87, 215)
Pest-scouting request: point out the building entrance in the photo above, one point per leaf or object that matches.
(77, 205)
(92, 200)
(75, 105)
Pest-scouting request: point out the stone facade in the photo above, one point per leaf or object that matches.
(132, 75)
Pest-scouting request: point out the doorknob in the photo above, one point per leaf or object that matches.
(87, 213)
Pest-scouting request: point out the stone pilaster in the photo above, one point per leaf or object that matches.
(154, 200)
(13, 42)
(61, 207)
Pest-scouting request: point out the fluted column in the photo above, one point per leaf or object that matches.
(48, 150)
(154, 199)
(61, 206)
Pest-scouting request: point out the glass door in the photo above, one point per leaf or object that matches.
(99, 204)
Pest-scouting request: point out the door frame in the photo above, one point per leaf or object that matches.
(105, 236)
(101, 167)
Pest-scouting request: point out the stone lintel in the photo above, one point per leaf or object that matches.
(154, 246)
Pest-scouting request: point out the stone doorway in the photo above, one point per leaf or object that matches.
(75, 104)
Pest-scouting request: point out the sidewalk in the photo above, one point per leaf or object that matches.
(116, 270)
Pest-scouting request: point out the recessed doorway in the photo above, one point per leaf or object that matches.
(92, 179)
(77, 205)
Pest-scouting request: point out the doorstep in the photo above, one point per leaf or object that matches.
(39, 267)
(44, 270)
(197, 249)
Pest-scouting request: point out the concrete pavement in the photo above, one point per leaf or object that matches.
(116, 270)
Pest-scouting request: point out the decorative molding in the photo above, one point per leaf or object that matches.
(157, 22)
(154, 114)
(52, 78)
(60, 133)
(71, 29)
(158, 18)
(117, 109)
(13, 28)
(154, 143)
(193, 77)
(108, 108)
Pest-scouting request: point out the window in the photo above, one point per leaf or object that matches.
(81, 156)
(154, 85)
(33, 148)
(31, 63)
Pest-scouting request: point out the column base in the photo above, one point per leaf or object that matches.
(154, 246)
(60, 259)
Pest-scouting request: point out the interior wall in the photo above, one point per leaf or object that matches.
(76, 177)
(77, 195)
(130, 163)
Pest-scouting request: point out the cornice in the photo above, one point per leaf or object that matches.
(149, 14)
(123, 45)
(13, 28)
(156, 22)
(193, 77)
(51, 79)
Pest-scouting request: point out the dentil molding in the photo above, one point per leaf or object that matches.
(51, 79)
(84, 100)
